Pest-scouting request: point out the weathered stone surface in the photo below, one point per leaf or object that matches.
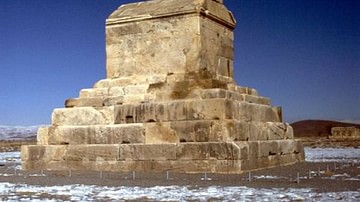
(148, 152)
(42, 136)
(90, 102)
(42, 152)
(92, 153)
(181, 157)
(99, 134)
(69, 103)
(83, 116)
(169, 101)
(160, 132)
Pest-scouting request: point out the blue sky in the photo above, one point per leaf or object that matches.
(303, 54)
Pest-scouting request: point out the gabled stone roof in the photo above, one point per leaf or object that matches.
(166, 8)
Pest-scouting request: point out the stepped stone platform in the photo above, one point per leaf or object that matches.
(169, 102)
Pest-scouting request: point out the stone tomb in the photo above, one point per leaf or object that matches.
(169, 102)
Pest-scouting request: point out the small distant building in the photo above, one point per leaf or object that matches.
(345, 133)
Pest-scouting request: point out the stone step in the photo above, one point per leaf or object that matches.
(131, 80)
(205, 109)
(98, 97)
(216, 157)
(228, 94)
(165, 132)
(179, 110)
(92, 134)
(242, 90)
(113, 91)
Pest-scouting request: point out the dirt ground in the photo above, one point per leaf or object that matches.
(321, 176)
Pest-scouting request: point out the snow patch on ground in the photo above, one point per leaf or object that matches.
(77, 192)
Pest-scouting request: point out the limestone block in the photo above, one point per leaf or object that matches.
(205, 130)
(160, 132)
(198, 151)
(192, 131)
(192, 151)
(32, 152)
(147, 152)
(43, 152)
(42, 136)
(216, 8)
(100, 134)
(136, 113)
(193, 166)
(94, 92)
(129, 133)
(72, 102)
(130, 80)
(209, 109)
(245, 90)
(244, 149)
(174, 111)
(254, 149)
(234, 96)
(33, 165)
(111, 101)
(240, 130)
(221, 131)
(224, 151)
(225, 65)
(116, 91)
(255, 112)
(90, 102)
(136, 89)
(241, 89)
(268, 148)
(289, 131)
(278, 131)
(255, 99)
(278, 113)
(287, 147)
(106, 83)
(257, 131)
(174, 35)
(219, 45)
(83, 116)
(252, 91)
(137, 98)
(142, 48)
(65, 135)
(213, 93)
(92, 153)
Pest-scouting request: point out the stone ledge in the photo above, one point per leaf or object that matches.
(166, 132)
(183, 157)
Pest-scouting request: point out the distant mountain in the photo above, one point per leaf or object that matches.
(18, 132)
(317, 128)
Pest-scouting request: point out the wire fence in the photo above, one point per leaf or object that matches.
(324, 170)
